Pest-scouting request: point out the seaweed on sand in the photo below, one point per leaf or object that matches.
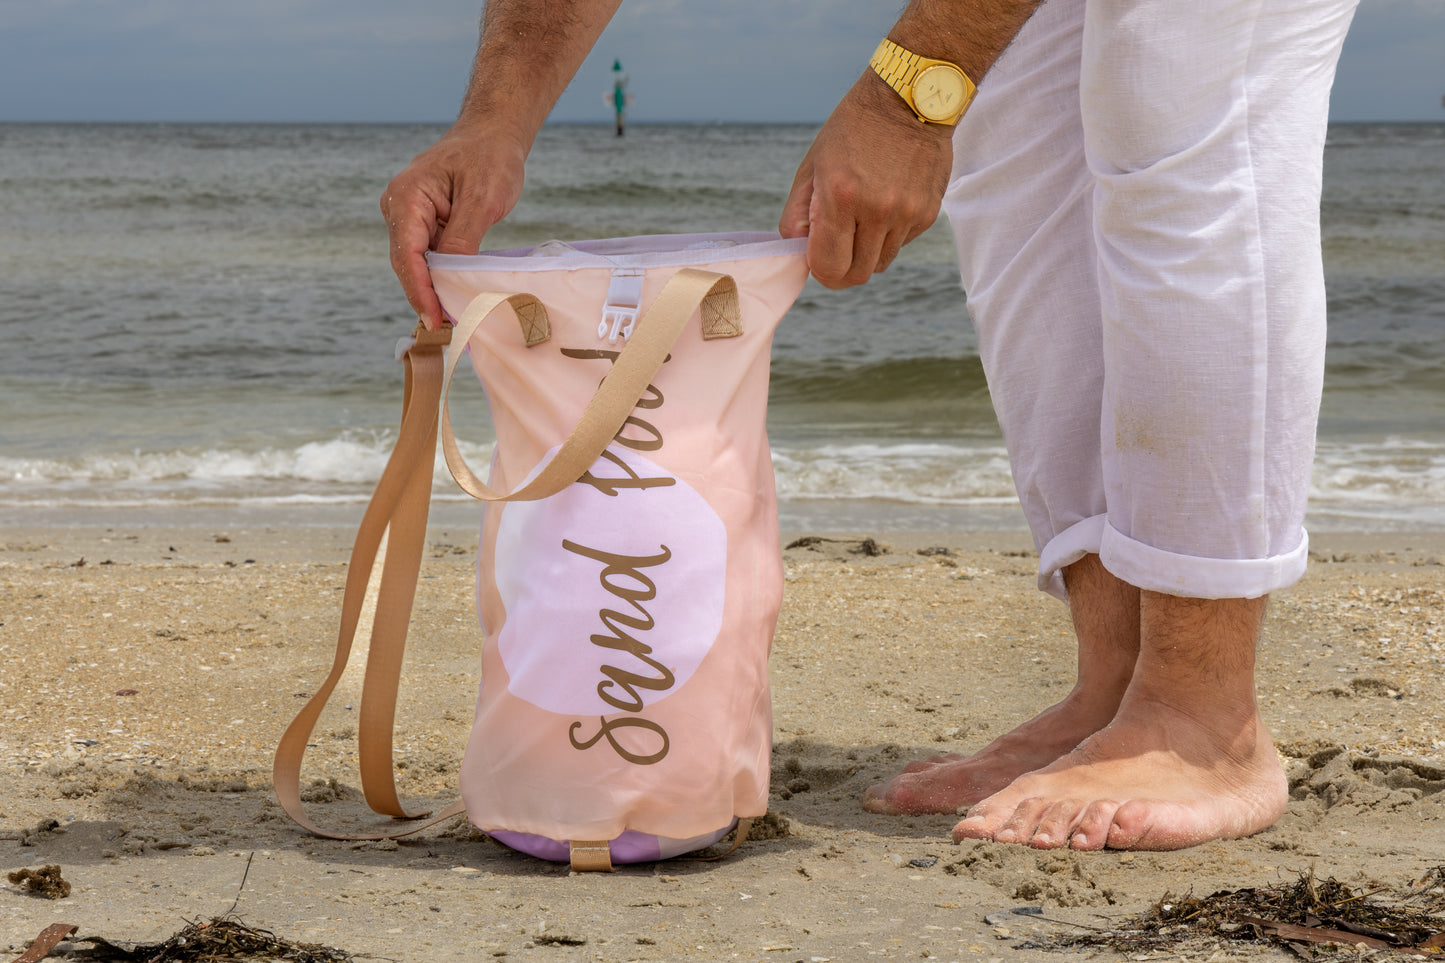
(1307, 916)
(207, 941)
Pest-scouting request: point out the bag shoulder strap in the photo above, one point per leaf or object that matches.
(397, 512)
(690, 291)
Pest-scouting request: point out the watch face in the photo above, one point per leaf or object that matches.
(938, 93)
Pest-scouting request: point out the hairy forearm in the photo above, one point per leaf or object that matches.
(528, 53)
(970, 33)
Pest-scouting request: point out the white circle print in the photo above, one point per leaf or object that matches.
(613, 588)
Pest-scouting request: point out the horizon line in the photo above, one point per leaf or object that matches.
(563, 121)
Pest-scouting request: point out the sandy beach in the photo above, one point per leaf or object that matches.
(147, 673)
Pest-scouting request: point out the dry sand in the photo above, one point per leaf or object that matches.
(147, 674)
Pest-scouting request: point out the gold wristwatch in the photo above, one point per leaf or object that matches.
(937, 91)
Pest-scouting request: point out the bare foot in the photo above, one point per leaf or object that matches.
(1153, 779)
(1105, 612)
(1187, 758)
(943, 784)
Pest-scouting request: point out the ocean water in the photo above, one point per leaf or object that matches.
(198, 324)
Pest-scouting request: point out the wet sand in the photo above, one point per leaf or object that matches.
(147, 673)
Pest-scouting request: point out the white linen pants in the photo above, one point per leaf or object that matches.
(1135, 207)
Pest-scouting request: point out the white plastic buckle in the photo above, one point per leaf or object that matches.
(624, 299)
(403, 345)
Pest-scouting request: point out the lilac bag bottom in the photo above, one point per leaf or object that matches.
(630, 847)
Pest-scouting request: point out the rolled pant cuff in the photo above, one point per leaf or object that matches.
(1156, 570)
(1066, 548)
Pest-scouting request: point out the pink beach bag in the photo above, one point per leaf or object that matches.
(629, 572)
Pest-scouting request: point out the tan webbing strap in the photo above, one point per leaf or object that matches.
(400, 506)
(407, 476)
(590, 856)
(722, 314)
(652, 338)
(595, 856)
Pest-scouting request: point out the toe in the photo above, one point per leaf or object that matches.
(1057, 824)
(1092, 828)
(903, 795)
(1160, 825)
(1022, 825)
(1131, 823)
(978, 824)
(875, 798)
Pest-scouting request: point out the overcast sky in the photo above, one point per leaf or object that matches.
(380, 60)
